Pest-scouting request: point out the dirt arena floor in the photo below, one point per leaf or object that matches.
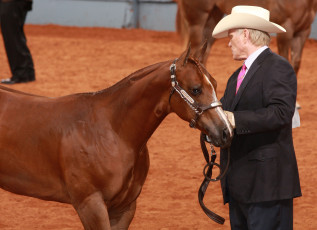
(70, 60)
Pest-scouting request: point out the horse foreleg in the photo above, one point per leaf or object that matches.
(214, 17)
(283, 45)
(284, 39)
(193, 16)
(123, 220)
(93, 213)
(297, 46)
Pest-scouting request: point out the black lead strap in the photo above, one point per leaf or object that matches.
(203, 187)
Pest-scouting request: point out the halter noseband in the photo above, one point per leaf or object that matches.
(188, 99)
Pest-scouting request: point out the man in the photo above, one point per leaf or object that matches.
(259, 100)
(12, 16)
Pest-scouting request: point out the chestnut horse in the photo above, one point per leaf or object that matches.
(196, 20)
(90, 149)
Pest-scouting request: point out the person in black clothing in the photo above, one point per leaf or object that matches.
(259, 100)
(12, 17)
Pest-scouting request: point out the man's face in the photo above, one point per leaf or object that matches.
(237, 44)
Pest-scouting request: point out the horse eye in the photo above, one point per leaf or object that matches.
(196, 91)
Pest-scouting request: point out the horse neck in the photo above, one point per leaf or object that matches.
(139, 103)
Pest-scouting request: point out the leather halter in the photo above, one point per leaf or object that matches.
(188, 99)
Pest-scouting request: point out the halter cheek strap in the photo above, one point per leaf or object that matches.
(187, 98)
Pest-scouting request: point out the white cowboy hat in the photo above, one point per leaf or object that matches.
(250, 17)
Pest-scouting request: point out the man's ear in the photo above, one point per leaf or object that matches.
(246, 34)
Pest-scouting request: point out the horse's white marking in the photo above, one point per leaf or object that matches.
(214, 97)
(219, 110)
(224, 117)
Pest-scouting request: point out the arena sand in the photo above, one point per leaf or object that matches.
(71, 60)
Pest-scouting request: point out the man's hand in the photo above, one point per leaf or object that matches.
(230, 117)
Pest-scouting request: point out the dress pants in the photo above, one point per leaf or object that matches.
(270, 215)
(12, 17)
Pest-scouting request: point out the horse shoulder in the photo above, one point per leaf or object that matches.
(96, 159)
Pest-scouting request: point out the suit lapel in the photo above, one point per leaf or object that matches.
(254, 67)
(244, 83)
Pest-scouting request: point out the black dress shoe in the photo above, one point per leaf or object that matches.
(11, 81)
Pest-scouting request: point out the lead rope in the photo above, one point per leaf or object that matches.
(209, 166)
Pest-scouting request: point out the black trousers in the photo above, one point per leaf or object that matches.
(12, 17)
(271, 215)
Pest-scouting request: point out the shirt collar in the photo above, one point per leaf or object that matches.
(248, 62)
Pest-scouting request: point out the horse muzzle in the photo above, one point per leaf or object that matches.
(220, 137)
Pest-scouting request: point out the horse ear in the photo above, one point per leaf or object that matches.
(184, 57)
(200, 53)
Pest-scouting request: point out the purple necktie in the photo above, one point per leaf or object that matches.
(241, 76)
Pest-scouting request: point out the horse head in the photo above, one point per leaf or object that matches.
(197, 101)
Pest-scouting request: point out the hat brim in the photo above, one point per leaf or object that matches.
(243, 20)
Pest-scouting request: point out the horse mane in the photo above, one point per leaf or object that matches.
(130, 79)
(197, 64)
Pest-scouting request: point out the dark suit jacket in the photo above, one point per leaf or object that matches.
(263, 165)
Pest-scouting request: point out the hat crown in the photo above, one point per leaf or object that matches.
(254, 10)
(252, 17)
